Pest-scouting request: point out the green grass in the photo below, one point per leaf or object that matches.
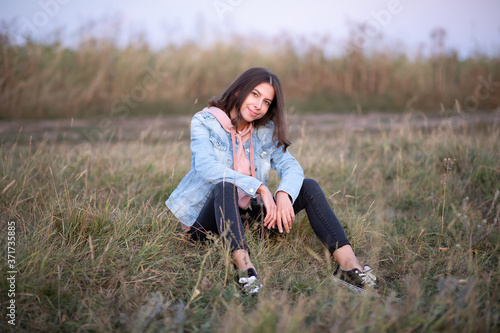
(97, 251)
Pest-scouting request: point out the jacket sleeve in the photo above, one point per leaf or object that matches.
(207, 165)
(290, 172)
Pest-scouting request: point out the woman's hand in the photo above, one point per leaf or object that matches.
(284, 211)
(185, 232)
(269, 204)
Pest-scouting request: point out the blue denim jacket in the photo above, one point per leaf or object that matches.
(212, 161)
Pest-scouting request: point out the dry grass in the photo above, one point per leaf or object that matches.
(98, 252)
(40, 80)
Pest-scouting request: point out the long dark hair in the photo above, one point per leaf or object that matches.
(235, 95)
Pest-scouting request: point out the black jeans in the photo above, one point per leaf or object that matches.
(222, 216)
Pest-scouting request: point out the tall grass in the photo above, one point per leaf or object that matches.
(97, 250)
(97, 77)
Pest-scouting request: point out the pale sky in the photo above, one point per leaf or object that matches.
(470, 24)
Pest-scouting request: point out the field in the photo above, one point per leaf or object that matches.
(97, 251)
(98, 77)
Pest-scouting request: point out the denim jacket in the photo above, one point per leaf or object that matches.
(212, 161)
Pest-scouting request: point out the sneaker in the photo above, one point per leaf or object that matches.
(249, 281)
(355, 277)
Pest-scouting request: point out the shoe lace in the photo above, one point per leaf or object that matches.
(368, 278)
(250, 284)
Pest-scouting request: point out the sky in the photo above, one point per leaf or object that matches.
(470, 25)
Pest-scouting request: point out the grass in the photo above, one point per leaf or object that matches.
(96, 77)
(97, 251)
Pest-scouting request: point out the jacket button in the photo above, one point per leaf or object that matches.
(251, 190)
(264, 153)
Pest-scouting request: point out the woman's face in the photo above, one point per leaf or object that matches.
(256, 105)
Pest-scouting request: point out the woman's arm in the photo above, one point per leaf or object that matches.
(269, 204)
(290, 172)
(292, 177)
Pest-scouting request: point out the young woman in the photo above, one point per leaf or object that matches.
(234, 143)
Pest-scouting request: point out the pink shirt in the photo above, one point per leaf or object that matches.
(240, 160)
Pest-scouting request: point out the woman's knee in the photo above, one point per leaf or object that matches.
(310, 189)
(310, 185)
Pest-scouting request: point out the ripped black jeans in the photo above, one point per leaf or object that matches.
(222, 216)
